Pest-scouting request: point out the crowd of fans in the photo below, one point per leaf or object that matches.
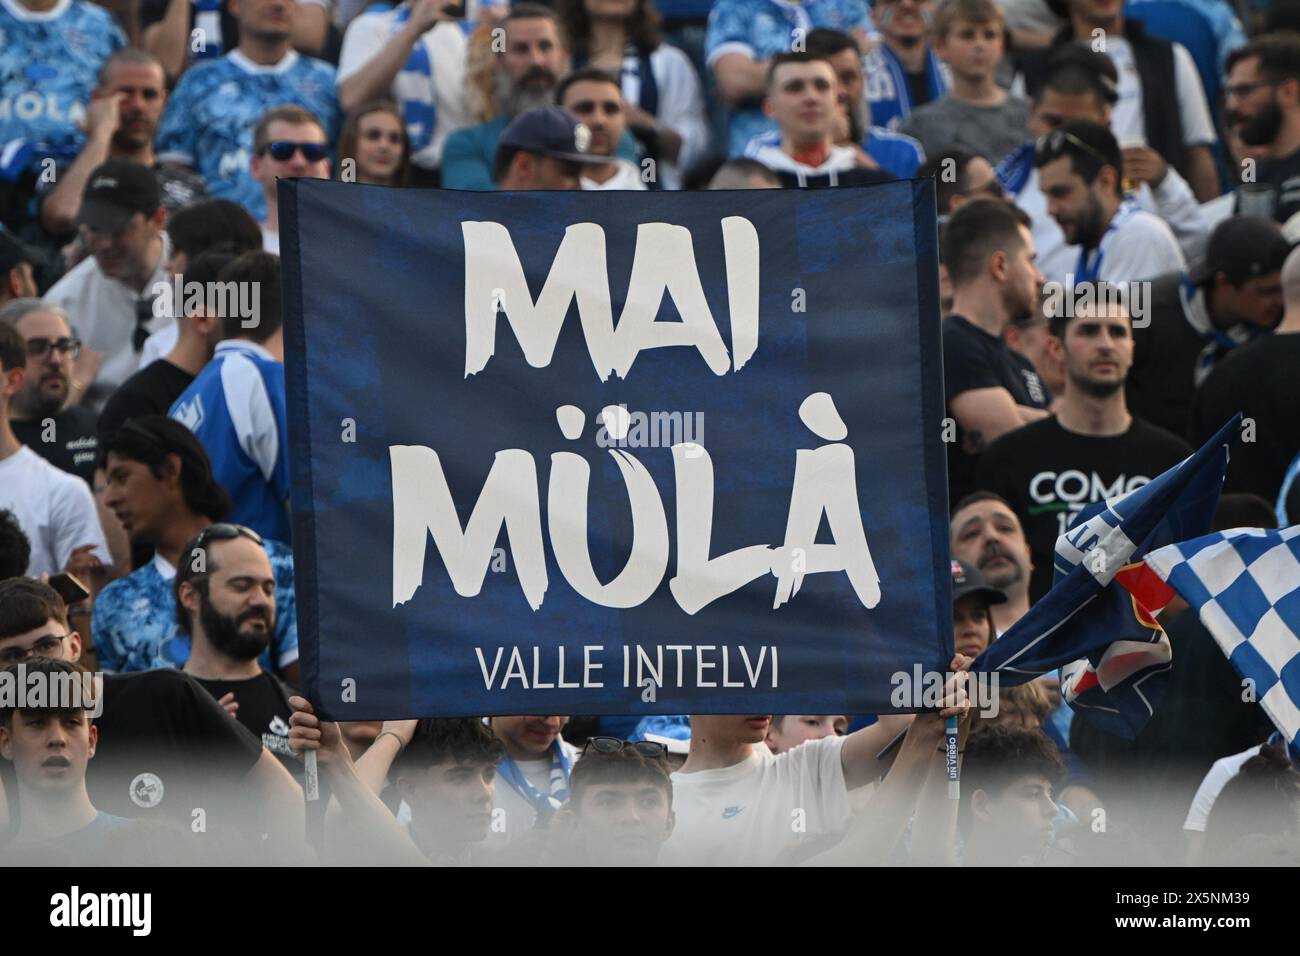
(1119, 195)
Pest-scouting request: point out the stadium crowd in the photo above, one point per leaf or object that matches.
(1149, 149)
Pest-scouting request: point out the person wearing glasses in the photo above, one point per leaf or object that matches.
(42, 414)
(165, 745)
(620, 809)
(212, 113)
(594, 97)
(109, 295)
(1080, 172)
(55, 509)
(236, 404)
(159, 485)
(289, 141)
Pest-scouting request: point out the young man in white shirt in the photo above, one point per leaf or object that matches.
(289, 142)
(532, 775)
(1080, 168)
(55, 509)
(108, 295)
(594, 97)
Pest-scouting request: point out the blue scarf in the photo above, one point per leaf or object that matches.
(889, 111)
(557, 785)
(207, 17)
(414, 86)
(1088, 268)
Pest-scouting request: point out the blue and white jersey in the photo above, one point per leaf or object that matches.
(236, 407)
(134, 624)
(894, 153)
(761, 29)
(215, 107)
(49, 63)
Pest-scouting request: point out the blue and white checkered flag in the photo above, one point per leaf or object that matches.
(1245, 585)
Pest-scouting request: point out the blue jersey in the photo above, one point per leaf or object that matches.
(236, 408)
(134, 624)
(761, 29)
(896, 153)
(215, 107)
(49, 63)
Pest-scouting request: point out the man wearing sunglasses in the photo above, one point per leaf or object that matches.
(289, 141)
(109, 294)
(596, 99)
(63, 434)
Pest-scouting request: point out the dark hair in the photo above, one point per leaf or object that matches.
(197, 228)
(150, 440)
(1243, 510)
(262, 268)
(352, 132)
(619, 768)
(997, 754)
(1264, 797)
(975, 497)
(1090, 146)
(54, 671)
(1279, 56)
(781, 59)
(588, 74)
(1104, 293)
(538, 11)
(198, 574)
(15, 548)
(642, 28)
(824, 42)
(26, 604)
(291, 113)
(944, 191)
(1077, 70)
(977, 230)
(455, 739)
(133, 55)
(207, 266)
(739, 171)
(13, 350)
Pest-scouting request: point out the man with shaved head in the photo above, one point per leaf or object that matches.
(1259, 379)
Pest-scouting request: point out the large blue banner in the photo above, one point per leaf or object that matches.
(614, 453)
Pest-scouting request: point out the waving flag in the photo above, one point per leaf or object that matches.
(1245, 585)
(1097, 622)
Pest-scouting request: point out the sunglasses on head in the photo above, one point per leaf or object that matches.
(40, 347)
(1054, 143)
(282, 150)
(612, 745)
(225, 531)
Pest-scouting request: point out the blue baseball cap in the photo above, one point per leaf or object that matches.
(551, 131)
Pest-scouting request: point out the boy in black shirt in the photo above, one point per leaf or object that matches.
(989, 389)
(1092, 450)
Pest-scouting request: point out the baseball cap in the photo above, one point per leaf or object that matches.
(1242, 248)
(551, 131)
(115, 191)
(13, 251)
(966, 580)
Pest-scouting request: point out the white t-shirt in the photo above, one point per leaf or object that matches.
(1216, 778)
(766, 810)
(628, 176)
(159, 343)
(445, 44)
(270, 240)
(1128, 120)
(102, 312)
(55, 510)
(1142, 246)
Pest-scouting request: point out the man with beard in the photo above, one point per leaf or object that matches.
(903, 71)
(110, 292)
(594, 97)
(1080, 169)
(125, 109)
(1262, 109)
(536, 55)
(225, 600)
(1196, 320)
(1092, 449)
(986, 534)
(159, 485)
(42, 419)
(989, 389)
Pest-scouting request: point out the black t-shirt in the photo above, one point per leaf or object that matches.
(972, 358)
(918, 88)
(165, 748)
(848, 177)
(74, 440)
(1261, 380)
(150, 391)
(263, 709)
(1276, 191)
(1166, 351)
(1049, 475)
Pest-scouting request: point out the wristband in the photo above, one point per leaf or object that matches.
(400, 746)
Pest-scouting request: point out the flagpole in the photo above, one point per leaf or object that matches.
(950, 748)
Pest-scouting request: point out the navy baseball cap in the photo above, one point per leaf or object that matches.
(551, 131)
(966, 580)
(116, 191)
(1243, 247)
(14, 251)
